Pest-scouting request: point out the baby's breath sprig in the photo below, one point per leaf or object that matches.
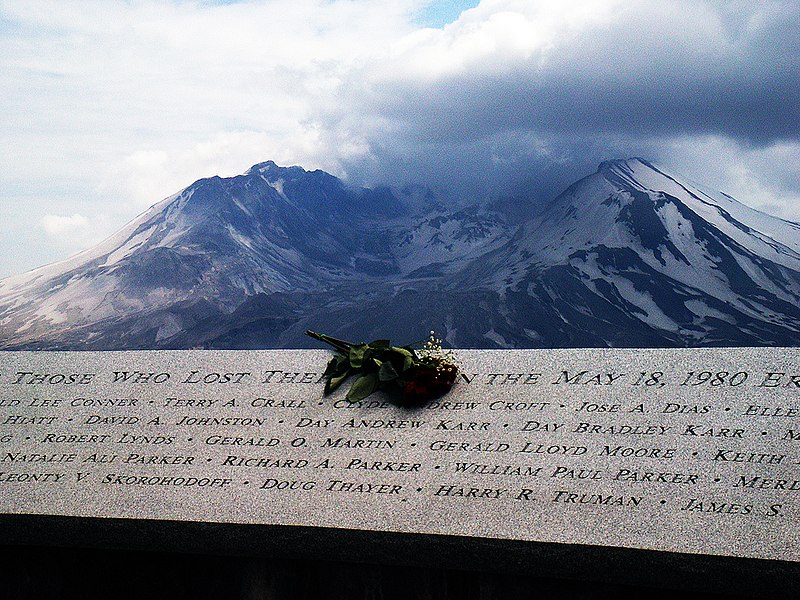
(434, 354)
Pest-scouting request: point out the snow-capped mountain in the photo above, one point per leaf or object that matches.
(629, 255)
(632, 255)
(201, 254)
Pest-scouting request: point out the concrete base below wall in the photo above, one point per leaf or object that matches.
(48, 573)
(109, 557)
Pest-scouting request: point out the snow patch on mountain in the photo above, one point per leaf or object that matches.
(445, 241)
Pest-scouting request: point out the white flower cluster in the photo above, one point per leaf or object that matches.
(433, 354)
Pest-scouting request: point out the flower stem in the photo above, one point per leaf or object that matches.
(340, 345)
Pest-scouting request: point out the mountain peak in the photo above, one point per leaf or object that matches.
(272, 167)
(625, 166)
(624, 163)
(639, 175)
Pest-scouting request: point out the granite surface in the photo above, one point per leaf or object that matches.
(677, 451)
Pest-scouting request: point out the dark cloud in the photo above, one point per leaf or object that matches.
(623, 87)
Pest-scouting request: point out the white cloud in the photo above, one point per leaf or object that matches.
(493, 36)
(58, 236)
(58, 225)
(75, 231)
(120, 104)
(145, 177)
(109, 106)
(766, 178)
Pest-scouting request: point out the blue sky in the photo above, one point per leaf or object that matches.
(108, 106)
(441, 12)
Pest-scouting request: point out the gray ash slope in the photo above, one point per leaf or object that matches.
(628, 256)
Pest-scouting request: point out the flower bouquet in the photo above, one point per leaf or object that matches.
(410, 376)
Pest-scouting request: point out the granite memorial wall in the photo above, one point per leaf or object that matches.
(608, 462)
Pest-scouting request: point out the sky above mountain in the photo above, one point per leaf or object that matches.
(108, 106)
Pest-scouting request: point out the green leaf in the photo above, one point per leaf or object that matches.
(401, 358)
(362, 387)
(331, 368)
(337, 365)
(357, 355)
(380, 344)
(335, 381)
(387, 372)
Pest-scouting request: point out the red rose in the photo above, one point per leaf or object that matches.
(427, 383)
